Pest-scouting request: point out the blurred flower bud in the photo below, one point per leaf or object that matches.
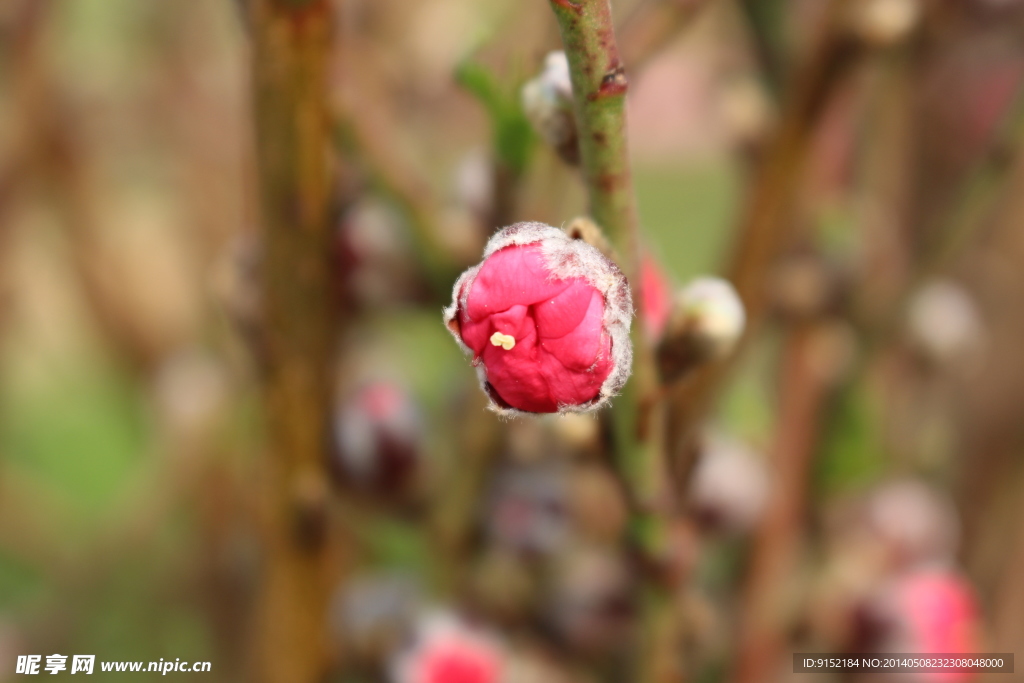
(546, 318)
(655, 296)
(930, 611)
(592, 607)
(884, 22)
(915, 524)
(579, 431)
(526, 667)
(598, 507)
(370, 614)
(377, 439)
(729, 486)
(745, 111)
(502, 585)
(191, 390)
(445, 650)
(528, 510)
(944, 322)
(706, 322)
(547, 103)
(372, 256)
(805, 286)
(237, 287)
(583, 228)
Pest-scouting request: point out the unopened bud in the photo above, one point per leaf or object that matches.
(445, 649)
(745, 111)
(547, 102)
(369, 615)
(502, 586)
(377, 438)
(528, 511)
(885, 22)
(592, 608)
(944, 322)
(914, 523)
(706, 322)
(730, 485)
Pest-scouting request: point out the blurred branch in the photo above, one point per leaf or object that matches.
(653, 25)
(804, 382)
(768, 221)
(599, 92)
(371, 132)
(763, 21)
(298, 183)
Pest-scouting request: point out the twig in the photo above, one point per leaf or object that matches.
(599, 93)
(768, 221)
(653, 25)
(297, 181)
(599, 90)
(805, 385)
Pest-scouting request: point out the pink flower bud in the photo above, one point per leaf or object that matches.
(932, 611)
(448, 651)
(729, 487)
(546, 318)
(944, 322)
(655, 296)
(914, 523)
(528, 512)
(377, 435)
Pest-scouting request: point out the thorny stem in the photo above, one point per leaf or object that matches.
(599, 92)
(291, 46)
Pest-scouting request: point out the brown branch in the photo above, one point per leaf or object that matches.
(805, 382)
(653, 25)
(297, 181)
(768, 222)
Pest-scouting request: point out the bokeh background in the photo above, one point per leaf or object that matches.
(870, 429)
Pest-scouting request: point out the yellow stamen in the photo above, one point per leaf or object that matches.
(505, 341)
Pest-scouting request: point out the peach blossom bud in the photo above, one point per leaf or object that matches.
(706, 322)
(931, 611)
(546, 318)
(729, 487)
(377, 435)
(445, 650)
(884, 22)
(547, 102)
(944, 322)
(914, 523)
(592, 604)
(369, 614)
(529, 508)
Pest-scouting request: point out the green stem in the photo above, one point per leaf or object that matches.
(599, 89)
(599, 92)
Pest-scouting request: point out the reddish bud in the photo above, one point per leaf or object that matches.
(932, 611)
(377, 435)
(655, 296)
(546, 318)
(448, 651)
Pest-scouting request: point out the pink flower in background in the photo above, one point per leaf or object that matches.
(447, 651)
(546, 318)
(655, 295)
(377, 433)
(937, 613)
